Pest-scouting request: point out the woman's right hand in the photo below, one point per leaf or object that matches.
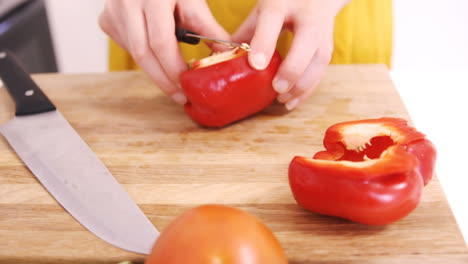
(146, 29)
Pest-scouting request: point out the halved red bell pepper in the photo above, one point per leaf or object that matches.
(224, 88)
(372, 171)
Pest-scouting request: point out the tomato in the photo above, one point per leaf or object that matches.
(215, 234)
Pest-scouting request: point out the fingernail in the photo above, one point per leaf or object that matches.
(259, 61)
(292, 104)
(280, 86)
(284, 97)
(179, 98)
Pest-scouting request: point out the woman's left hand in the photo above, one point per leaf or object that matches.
(312, 22)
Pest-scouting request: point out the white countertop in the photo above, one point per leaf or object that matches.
(437, 101)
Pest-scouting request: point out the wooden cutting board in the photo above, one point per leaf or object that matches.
(169, 164)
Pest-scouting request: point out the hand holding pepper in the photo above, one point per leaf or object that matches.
(312, 23)
(145, 28)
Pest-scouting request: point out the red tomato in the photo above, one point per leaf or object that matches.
(213, 234)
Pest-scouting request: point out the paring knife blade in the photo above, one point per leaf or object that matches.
(68, 168)
(190, 37)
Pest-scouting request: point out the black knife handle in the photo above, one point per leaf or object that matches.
(181, 34)
(28, 97)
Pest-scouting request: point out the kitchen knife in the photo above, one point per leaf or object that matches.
(68, 168)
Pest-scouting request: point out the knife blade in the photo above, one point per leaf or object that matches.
(68, 168)
(190, 37)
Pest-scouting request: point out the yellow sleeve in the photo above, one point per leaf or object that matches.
(363, 33)
(120, 59)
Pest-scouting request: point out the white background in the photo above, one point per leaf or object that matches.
(430, 69)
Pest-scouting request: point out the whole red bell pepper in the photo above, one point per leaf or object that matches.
(372, 171)
(224, 88)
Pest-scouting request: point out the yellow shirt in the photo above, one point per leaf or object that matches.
(363, 33)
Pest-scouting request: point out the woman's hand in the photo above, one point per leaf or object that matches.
(312, 22)
(146, 28)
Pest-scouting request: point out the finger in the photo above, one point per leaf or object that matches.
(152, 67)
(139, 47)
(295, 102)
(160, 26)
(269, 24)
(304, 45)
(197, 16)
(247, 29)
(308, 82)
(108, 26)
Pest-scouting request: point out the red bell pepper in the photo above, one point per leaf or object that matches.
(223, 88)
(372, 171)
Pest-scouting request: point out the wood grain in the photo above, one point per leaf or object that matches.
(169, 164)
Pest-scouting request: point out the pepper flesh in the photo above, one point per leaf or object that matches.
(220, 93)
(372, 171)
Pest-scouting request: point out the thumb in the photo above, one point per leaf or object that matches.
(264, 29)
